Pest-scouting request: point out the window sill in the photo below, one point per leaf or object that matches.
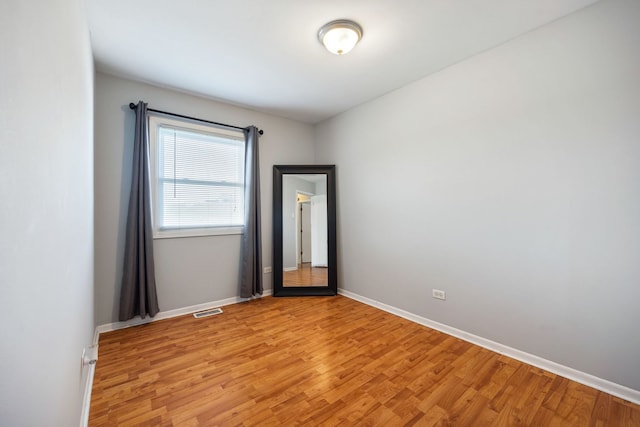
(197, 232)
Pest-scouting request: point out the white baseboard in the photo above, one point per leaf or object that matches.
(606, 386)
(174, 313)
(289, 268)
(88, 385)
(86, 403)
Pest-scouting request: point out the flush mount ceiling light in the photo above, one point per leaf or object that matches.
(340, 36)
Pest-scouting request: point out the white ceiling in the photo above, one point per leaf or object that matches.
(264, 54)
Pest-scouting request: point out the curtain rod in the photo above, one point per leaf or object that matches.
(133, 106)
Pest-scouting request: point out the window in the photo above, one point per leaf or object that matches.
(197, 178)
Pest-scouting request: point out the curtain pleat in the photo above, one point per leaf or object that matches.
(138, 295)
(251, 263)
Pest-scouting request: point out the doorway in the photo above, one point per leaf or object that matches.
(303, 228)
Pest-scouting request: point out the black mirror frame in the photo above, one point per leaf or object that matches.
(332, 274)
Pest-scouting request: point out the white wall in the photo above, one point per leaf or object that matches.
(189, 270)
(512, 182)
(46, 211)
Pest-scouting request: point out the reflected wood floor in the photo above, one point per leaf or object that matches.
(305, 275)
(326, 361)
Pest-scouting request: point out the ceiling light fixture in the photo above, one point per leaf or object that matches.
(340, 36)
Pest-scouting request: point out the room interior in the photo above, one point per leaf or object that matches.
(489, 151)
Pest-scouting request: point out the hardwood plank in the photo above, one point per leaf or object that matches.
(306, 275)
(326, 361)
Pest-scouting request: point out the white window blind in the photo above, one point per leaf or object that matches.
(199, 179)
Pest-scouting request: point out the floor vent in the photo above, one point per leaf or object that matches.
(206, 313)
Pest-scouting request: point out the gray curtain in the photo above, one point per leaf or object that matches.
(138, 293)
(251, 263)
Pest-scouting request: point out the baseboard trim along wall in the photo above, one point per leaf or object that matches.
(86, 404)
(86, 401)
(612, 388)
(173, 313)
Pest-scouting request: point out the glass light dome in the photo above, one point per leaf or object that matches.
(340, 36)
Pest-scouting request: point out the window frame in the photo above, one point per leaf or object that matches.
(155, 120)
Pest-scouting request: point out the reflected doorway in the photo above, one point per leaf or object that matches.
(303, 231)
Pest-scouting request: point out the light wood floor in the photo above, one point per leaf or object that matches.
(305, 275)
(326, 361)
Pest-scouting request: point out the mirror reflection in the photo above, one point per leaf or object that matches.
(304, 230)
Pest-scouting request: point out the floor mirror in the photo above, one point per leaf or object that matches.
(304, 230)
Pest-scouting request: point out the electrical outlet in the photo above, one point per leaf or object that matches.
(438, 294)
(267, 270)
